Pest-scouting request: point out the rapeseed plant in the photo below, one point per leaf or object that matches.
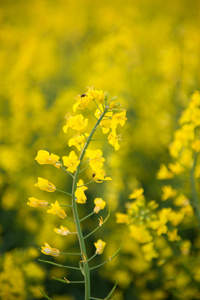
(108, 117)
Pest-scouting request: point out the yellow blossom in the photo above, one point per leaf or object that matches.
(164, 173)
(79, 193)
(33, 202)
(149, 251)
(95, 159)
(94, 94)
(185, 247)
(100, 204)
(196, 145)
(82, 101)
(122, 218)
(78, 140)
(118, 118)
(71, 162)
(176, 168)
(43, 157)
(168, 192)
(140, 233)
(99, 245)
(113, 139)
(176, 217)
(172, 235)
(99, 176)
(46, 249)
(45, 185)
(106, 123)
(77, 123)
(62, 230)
(136, 193)
(100, 221)
(195, 99)
(181, 200)
(57, 210)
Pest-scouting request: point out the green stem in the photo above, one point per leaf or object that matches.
(86, 270)
(85, 237)
(67, 281)
(45, 296)
(87, 216)
(63, 192)
(195, 198)
(110, 258)
(58, 265)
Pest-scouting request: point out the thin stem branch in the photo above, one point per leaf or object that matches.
(63, 192)
(45, 296)
(92, 213)
(67, 281)
(85, 237)
(67, 172)
(110, 258)
(59, 265)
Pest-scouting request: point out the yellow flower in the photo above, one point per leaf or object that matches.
(79, 193)
(95, 159)
(57, 210)
(136, 193)
(100, 204)
(106, 122)
(164, 173)
(78, 140)
(94, 94)
(71, 162)
(76, 123)
(172, 235)
(176, 168)
(140, 233)
(168, 192)
(43, 157)
(33, 202)
(196, 145)
(82, 102)
(99, 176)
(149, 251)
(122, 218)
(46, 249)
(118, 118)
(45, 185)
(62, 230)
(113, 139)
(176, 217)
(99, 245)
(100, 221)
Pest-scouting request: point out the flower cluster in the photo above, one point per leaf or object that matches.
(107, 116)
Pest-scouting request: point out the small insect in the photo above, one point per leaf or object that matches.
(83, 95)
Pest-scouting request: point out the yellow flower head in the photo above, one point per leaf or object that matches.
(196, 145)
(62, 230)
(106, 123)
(118, 118)
(57, 210)
(45, 185)
(33, 202)
(113, 139)
(77, 123)
(172, 235)
(95, 159)
(71, 162)
(164, 173)
(94, 94)
(78, 140)
(122, 218)
(82, 101)
(100, 204)
(79, 193)
(99, 176)
(99, 245)
(46, 249)
(176, 168)
(136, 193)
(100, 221)
(168, 192)
(43, 157)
